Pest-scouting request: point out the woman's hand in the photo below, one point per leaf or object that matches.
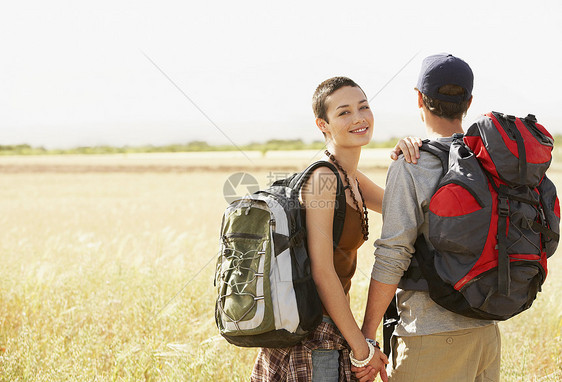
(409, 147)
(376, 365)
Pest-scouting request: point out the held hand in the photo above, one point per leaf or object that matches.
(409, 147)
(364, 374)
(375, 366)
(384, 376)
(379, 363)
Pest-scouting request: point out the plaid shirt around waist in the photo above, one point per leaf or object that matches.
(294, 364)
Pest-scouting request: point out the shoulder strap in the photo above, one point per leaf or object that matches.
(339, 211)
(440, 150)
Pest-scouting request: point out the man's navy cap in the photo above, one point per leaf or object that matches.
(444, 69)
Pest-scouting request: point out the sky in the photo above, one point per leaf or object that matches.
(77, 73)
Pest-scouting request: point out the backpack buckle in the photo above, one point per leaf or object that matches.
(503, 206)
(542, 217)
(531, 118)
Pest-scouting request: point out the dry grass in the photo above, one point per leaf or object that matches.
(107, 276)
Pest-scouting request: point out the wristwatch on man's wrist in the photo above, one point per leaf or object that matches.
(375, 343)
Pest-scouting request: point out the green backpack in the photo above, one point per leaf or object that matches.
(266, 294)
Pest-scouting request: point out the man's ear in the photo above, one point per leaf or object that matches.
(420, 99)
(321, 123)
(469, 102)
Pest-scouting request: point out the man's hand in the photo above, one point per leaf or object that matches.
(409, 147)
(364, 374)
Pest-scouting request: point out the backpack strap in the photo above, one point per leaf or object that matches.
(440, 150)
(545, 231)
(390, 321)
(339, 210)
(504, 279)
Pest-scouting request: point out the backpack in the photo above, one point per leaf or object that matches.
(493, 220)
(266, 294)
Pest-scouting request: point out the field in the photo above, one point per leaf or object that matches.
(107, 269)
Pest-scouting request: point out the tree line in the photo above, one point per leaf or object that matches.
(194, 146)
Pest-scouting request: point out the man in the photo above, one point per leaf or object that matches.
(429, 343)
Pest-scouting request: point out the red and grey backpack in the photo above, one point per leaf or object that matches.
(493, 220)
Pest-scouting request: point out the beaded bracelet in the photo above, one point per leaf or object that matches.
(357, 363)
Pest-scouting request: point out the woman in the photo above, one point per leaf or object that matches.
(344, 117)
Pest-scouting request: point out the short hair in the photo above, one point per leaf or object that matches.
(448, 110)
(324, 90)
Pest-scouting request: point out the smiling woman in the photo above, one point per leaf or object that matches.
(344, 116)
(348, 112)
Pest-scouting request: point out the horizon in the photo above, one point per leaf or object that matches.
(201, 143)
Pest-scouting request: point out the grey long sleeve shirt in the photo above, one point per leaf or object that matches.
(405, 207)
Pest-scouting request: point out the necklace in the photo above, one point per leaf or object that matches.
(364, 215)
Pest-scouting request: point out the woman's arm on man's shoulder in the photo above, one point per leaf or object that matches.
(372, 192)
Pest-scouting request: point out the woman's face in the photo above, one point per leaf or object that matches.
(350, 118)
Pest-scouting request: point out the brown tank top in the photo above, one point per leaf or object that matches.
(345, 256)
